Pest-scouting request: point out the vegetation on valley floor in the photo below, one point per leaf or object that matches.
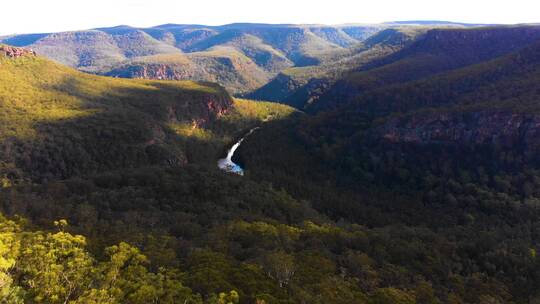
(337, 207)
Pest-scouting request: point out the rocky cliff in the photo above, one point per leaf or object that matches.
(200, 110)
(153, 71)
(15, 52)
(498, 127)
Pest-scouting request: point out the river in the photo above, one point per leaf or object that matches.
(226, 164)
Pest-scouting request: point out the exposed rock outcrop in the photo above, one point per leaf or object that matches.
(237, 74)
(201, 109)
(217, 107)
(502, 128)
(155, 71)
(15, 52)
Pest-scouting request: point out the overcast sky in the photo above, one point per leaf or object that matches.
(33, 16)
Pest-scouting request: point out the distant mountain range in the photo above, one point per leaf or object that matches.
(242, 56)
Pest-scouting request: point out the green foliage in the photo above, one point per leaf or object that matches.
(280, 266)
(391, 296)
(46, 267)
(248, 113)
(432, 64)
(303, 86)
(328, 211)
(224, 298)
(9, 253)
(59, 123)
(446, 211)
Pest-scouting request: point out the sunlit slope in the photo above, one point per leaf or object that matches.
(224, 65)
(57, 122)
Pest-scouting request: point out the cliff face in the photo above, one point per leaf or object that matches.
(154, 71)
(200, 110)
(238, 74)
(218, 106)
(501, 128)
(15, 52)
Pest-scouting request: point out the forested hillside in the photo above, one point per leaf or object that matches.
(240, 57)
(436, 52)
(301, 87)
(408, 173)
(194, 233)
(59, 123)
(452, 155)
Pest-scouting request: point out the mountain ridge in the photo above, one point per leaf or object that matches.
(272, 48)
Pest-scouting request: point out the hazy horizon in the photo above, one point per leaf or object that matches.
(262, 23)
(66, 15)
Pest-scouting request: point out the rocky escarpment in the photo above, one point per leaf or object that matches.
(501, 128)
(154, 71)
(200, 110)
(237, 73)
(15, 52)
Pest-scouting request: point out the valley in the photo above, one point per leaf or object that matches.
(240, 57)
(256, 163)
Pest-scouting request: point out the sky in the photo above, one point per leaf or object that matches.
(39, 16)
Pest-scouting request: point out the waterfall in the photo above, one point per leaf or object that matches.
(227, 164)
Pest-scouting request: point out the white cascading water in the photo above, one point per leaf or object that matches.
(227, 164)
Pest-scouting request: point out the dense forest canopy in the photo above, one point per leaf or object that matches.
(408, 172)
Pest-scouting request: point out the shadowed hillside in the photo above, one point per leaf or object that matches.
(411, 175)
(436, 137)
(302, 86)
(439, 50)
